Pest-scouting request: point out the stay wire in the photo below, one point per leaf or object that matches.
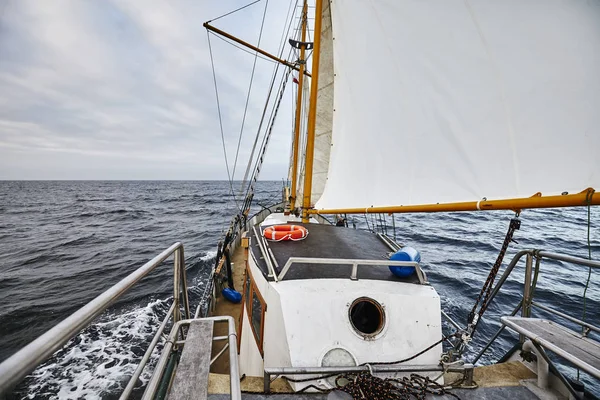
(243, 49)
(262, 119)
(271, 118)
(589, 245)
(234, 11)
(273, 79)
(266, 139)
(237, 152)
(229, 176)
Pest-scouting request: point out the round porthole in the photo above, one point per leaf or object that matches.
(366, 316)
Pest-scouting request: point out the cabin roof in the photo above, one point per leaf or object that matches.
(329, 241)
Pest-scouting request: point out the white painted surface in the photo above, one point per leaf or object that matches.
(251, 362)
(307, 318)
(315, 314)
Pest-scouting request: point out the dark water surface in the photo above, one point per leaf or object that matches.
(63, 243)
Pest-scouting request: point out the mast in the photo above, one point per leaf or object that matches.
(312, 113)
(302, 62)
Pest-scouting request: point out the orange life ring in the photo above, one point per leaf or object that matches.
(285, 232)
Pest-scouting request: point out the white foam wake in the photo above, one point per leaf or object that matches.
(209, 255)
(100, 360)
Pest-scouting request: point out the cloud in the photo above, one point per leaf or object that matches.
(124, 90)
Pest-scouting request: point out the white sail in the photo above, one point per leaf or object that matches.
(302, 146)
(456, 100)
(324, 121)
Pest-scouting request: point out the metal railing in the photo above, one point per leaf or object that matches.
(527, 302)
(17, 367)
(465, 369)
(173, 341)
(354, 263)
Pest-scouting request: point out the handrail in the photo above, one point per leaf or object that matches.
(266, 256)
(584, 324)
(527, 299)
(354, 262)
(569, 259)
(20, 364)
(140, 368)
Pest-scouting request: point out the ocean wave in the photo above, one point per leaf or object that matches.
(100, 360)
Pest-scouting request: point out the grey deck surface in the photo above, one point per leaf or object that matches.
(560, 340)
(191, 377)
(497, 393)
(328, 241)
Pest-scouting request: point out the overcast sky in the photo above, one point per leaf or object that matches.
(123, 89)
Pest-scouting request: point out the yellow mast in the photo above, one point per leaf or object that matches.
(302, 62)
(312, 113)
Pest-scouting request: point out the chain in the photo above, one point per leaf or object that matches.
(365, 386)
(473, 319)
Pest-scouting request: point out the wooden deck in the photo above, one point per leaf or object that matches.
(581, 351)
(191, 379)
(224, 307)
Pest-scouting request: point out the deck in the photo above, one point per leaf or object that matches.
(496, 393)
(494, 382)
(224, 307)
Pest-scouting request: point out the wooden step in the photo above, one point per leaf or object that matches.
(191, 376)
(572, 346)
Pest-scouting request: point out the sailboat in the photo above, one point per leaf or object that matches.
(412, 107)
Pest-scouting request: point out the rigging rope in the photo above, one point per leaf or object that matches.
(589, 196)
(273, 78)
(589, 245)
(262, 119)
(364, 385)
(474, 318)
(234, 11)
(229, 176)
(237, 152)
(243, 49)
(314, 378)
(260, 159)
